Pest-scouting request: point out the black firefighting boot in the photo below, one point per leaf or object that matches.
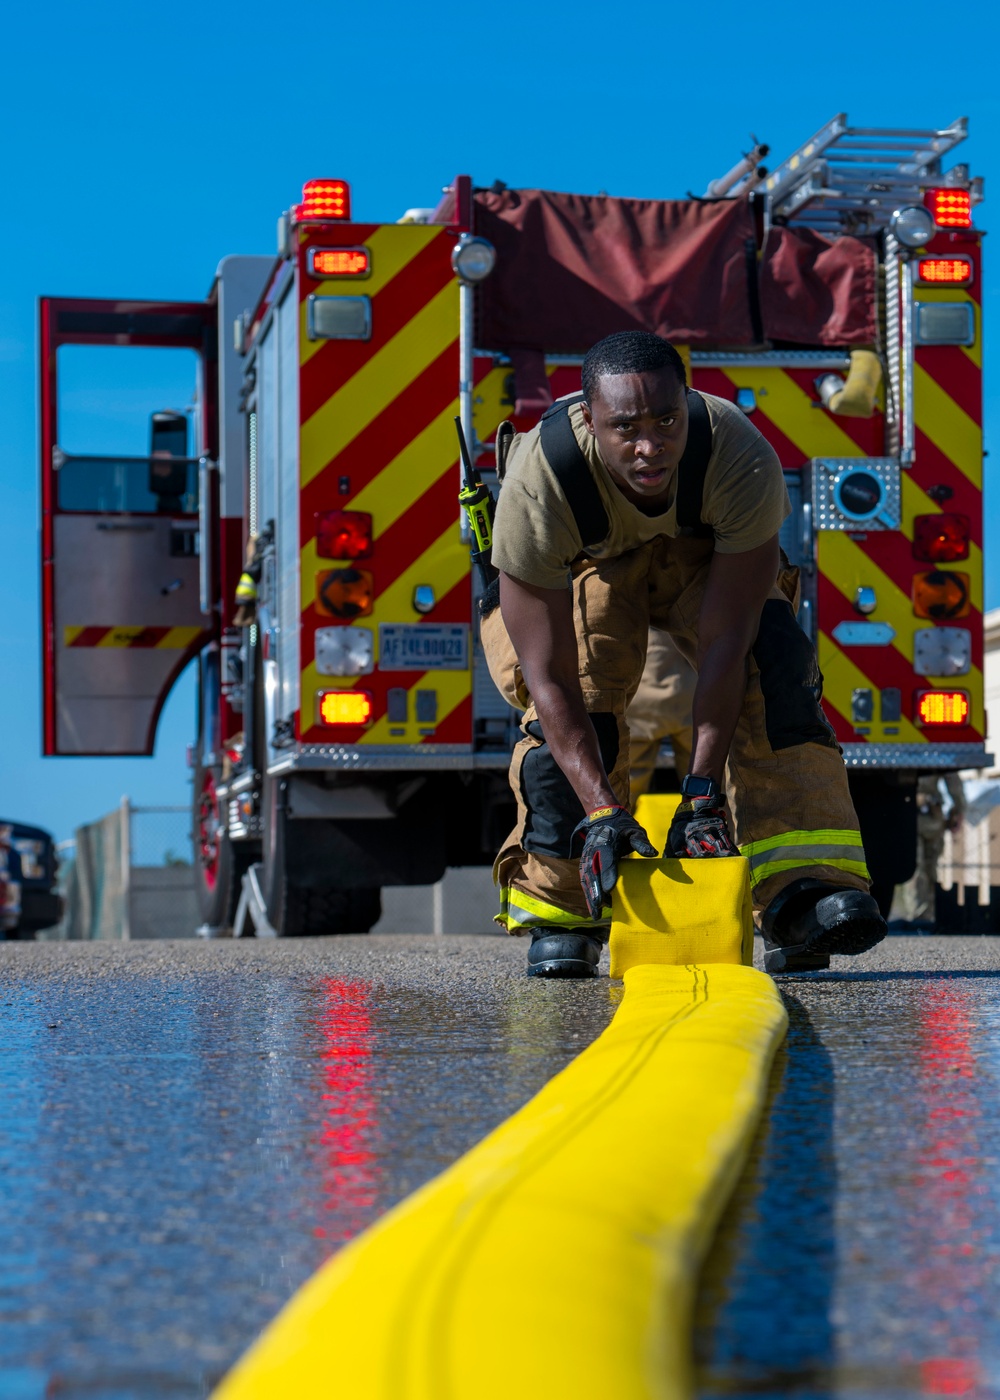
(559, 952)
(811, 919)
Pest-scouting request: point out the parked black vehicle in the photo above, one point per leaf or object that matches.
(28, 869)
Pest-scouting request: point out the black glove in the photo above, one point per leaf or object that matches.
(699, 829)
(608, 834)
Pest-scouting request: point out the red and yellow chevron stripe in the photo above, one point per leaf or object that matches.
(377, 435)
(946, 475)
(163, 638)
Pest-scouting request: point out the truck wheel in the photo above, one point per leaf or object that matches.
(219, 867)
(294, 909)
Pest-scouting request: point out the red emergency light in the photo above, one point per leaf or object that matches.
(942, 706)
(345, 706)
(323, 200)
(343, 534)
(951, 208)
(955, 272)
(941, 539)
(339, 262)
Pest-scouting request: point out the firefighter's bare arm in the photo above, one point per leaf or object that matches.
(735, 593)
(539, 622)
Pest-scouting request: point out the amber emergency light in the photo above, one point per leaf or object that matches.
(951, 208)
(942, 706)
(323, 200)
(941, 594)
(941, 539)
(340, 262)
(345, 593)
(952, 272)
(343, 534)
(345, 706)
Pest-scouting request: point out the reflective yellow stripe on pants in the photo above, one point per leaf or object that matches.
(843, 850)
(525, 911)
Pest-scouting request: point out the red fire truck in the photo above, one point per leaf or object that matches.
(350, 737)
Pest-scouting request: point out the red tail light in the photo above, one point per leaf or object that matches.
(343, 534)
(941, 539)
(339, 262)
(951, 208)
(934, 272)
(322, 200)
(345, 706)
(942, 706)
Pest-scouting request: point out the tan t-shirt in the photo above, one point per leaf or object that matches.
(535, 538)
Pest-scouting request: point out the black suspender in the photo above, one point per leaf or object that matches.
(565, 456)
(692, 469)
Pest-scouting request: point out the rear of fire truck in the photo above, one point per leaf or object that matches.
(883, 453)
(349, 735)
(372, 745)
(837, 302)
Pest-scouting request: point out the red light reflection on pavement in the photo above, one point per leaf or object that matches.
(951, 1196)
(350, 1123)
(943, 1375)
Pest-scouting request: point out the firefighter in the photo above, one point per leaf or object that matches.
(661, 710)
(246, 588)
(601, 530)
(915, 901)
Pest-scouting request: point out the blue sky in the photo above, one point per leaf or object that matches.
(142, 144)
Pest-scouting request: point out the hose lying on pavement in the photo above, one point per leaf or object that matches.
(558, 1257)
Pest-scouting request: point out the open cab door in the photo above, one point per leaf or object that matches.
(127, 596)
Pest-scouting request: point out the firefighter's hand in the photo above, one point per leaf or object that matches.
(608, 834)
(699, 829)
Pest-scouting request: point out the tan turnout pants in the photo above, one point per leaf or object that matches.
(787, 785)
(660, 709)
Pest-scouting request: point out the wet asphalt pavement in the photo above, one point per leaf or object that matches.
(188, 1130)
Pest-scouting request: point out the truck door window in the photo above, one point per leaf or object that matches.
(127, 430)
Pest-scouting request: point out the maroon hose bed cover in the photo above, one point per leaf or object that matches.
(573, 268)
(816, 290)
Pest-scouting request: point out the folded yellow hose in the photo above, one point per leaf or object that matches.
(682, 911)
(557, 1259)
(858, 397)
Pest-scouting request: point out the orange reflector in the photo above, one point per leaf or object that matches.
(323, 199)
(345, 706)
(942, 706)
(953, 271)
(951, 208)
(344, 593)
(941, 594)
(339, 262)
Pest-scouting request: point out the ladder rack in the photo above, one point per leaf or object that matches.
(853, 178)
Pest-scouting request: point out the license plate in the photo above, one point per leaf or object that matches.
(423, 647)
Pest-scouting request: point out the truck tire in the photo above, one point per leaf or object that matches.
(296, 910)
(219, 866)
(887, 814)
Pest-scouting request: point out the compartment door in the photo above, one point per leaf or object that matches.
(121, 592)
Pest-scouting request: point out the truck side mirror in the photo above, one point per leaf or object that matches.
(168, 467)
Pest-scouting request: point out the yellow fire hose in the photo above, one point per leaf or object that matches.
(557, 1259)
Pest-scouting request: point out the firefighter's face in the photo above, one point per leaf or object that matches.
(640, 422)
